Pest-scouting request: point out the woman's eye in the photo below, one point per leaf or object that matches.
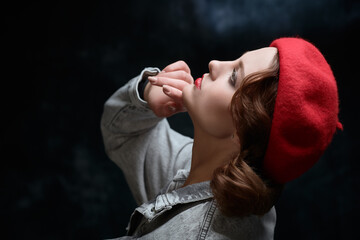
(233, 77)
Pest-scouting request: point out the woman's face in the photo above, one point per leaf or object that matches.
(208, 100)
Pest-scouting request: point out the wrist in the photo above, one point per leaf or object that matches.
(146, 91)
(141, 87)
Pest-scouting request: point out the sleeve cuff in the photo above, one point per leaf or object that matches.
(134, 92)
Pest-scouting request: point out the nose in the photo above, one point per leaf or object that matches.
(214, 68)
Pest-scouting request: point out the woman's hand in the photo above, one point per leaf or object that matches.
(164, 93)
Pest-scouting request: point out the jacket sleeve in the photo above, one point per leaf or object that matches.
(144, 146)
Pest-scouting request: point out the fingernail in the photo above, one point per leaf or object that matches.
(152, 79)
(166, 89)
(172, 108)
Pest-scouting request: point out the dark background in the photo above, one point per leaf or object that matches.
(64, 59)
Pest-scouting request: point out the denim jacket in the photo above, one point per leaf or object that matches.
(156, 161)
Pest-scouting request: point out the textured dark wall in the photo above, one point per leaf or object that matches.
(63, 60)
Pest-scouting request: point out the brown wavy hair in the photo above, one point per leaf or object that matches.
(240, 187)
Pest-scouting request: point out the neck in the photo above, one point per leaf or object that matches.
(209, 153)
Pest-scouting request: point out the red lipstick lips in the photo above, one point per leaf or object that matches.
(198, 82)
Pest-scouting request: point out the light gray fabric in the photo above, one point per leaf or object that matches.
(156, 162)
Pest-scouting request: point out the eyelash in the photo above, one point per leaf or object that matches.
(232, 78)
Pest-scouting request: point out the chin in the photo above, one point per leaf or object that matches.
(187, 96)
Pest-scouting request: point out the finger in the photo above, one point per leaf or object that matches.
(179, 65)
(173, 93)
(179, 74)
(161, 81)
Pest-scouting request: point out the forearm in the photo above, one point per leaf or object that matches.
(143, 145)
(125, 113)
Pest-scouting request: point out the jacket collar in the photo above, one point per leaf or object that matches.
(174, 194)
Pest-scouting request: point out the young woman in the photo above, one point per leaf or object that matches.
(259, 122)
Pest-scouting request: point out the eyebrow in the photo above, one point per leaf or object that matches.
(241, 65)
(241, 68)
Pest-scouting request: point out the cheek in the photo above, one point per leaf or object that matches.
(217, 101)
(218, 116)
(214, 115)
(209, 109)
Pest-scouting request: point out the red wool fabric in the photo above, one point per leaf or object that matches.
(306, 110)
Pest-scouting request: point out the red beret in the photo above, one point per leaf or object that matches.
(306, 110)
